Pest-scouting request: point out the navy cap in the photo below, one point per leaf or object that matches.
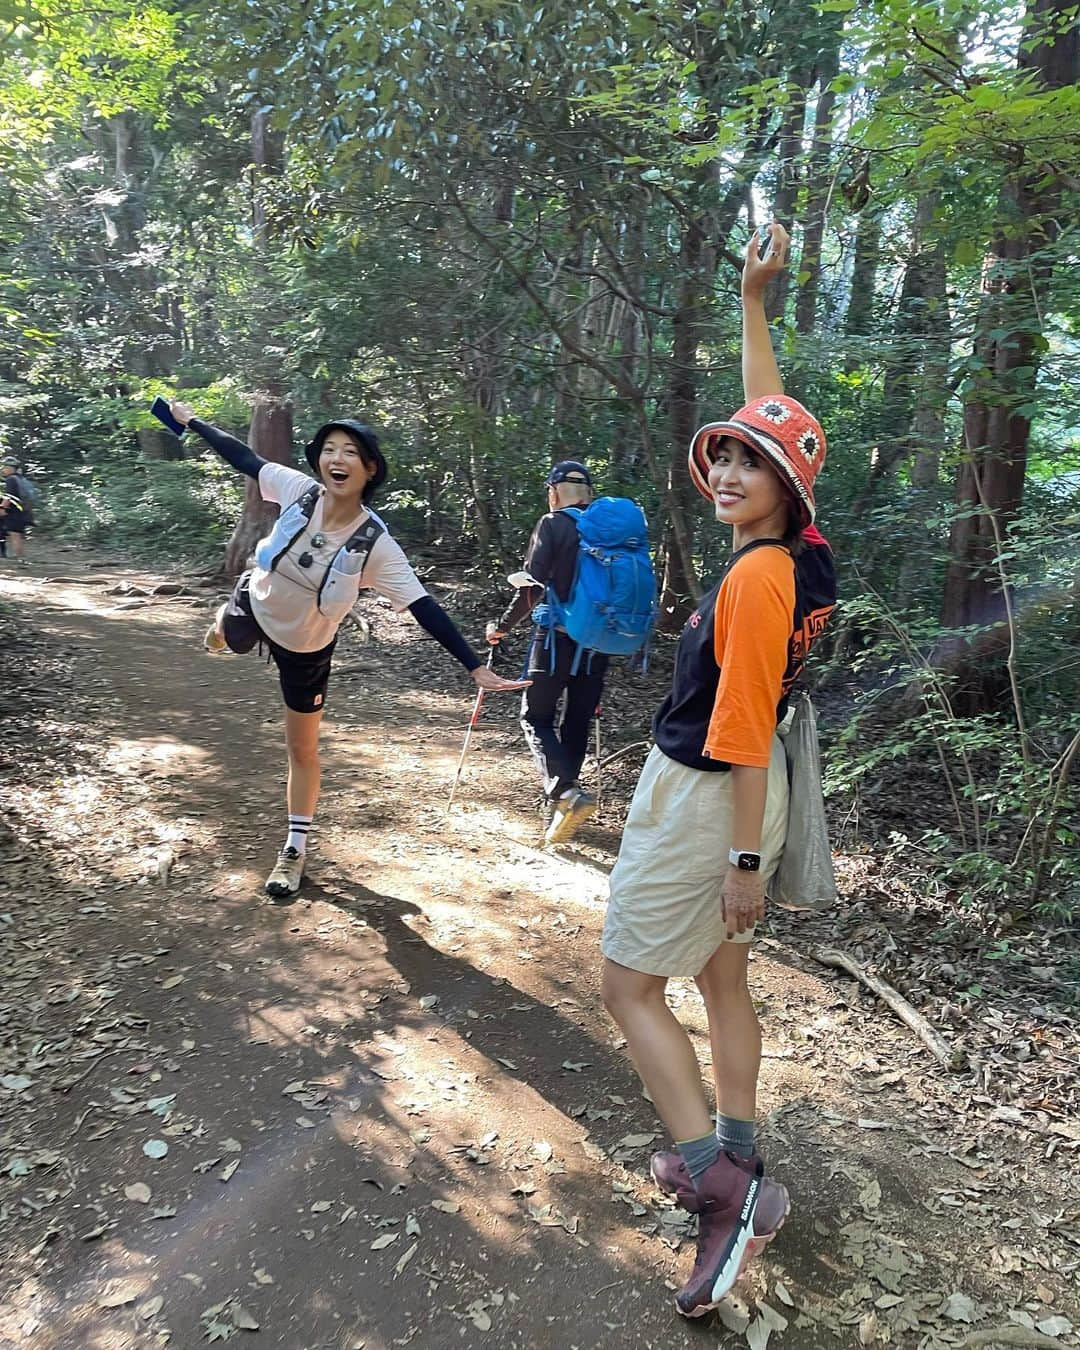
(568, 471)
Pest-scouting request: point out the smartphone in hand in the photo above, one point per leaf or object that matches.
(160, 410)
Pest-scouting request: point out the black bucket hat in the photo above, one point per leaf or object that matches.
(369, 444)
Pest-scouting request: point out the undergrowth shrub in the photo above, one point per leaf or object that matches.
(182, 509)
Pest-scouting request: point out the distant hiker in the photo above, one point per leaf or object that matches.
(590, 589)
(17, 509)
(326, 546)
(708, 820)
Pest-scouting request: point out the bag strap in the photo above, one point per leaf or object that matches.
(360, 542)
(306, 503)
(749, 548)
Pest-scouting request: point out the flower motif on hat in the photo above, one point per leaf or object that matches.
(774, 412)
(809, 444)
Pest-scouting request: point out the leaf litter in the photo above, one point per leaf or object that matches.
(900, 1286)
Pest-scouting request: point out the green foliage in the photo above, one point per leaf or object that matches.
(508, 234)
(1010, 773)
(182, 510)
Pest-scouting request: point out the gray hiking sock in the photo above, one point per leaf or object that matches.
(735, 1135)
(699, 1154)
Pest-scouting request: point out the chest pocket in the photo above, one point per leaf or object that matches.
(341, 584)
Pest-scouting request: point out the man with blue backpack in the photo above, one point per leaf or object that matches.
(590, 588)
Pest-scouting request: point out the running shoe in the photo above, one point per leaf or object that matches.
(570, 814)
(213, 641)
(288, 872)
(773, 1206)
(729, 1232)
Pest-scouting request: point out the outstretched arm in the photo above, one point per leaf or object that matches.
(761, 374)
(233, 451)
(431, 616)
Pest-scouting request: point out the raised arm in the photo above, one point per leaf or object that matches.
(233, 451)
(761, 374)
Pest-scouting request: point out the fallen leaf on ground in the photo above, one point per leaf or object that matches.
(637, 1140)
(404, 1259)
(958, 1308)
(119, 1295)
(1054, 1326)
(243, 1319)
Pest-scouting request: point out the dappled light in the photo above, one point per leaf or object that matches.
(406, 1072)
(538, 675)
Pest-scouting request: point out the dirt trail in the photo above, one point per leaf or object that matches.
(395, 1112)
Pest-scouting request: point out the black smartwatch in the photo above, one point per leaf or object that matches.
(745, 862)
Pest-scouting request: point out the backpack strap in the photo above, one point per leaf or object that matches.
(306, 503)
(749, 548)
(360, 542)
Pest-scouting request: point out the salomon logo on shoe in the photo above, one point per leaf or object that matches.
(750, 1201)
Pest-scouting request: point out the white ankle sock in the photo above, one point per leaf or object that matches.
(298, 832)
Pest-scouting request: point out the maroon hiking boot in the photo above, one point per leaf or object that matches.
(731, 1230)
(773, 1206)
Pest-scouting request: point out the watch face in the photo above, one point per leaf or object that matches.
(749, 862)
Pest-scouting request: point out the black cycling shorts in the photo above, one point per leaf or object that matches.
(303, 675)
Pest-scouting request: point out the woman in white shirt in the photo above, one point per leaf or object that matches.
(325, 547)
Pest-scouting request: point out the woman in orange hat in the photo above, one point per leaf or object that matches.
(708, 820)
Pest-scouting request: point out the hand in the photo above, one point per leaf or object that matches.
(493, 633)
(491, 683)
(181, 411)
(759, 271)
(742, 900)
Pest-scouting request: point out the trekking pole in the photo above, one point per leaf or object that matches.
(599, 762)
(468, 736)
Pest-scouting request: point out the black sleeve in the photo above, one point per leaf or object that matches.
(431, 616)
(544, 547)
(234, 452)
(525, 600)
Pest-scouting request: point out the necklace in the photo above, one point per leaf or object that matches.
(317, 540)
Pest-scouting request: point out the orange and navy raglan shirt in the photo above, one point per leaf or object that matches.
(741, 651)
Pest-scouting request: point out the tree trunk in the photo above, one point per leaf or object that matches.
(679, 582)
(271, 420)
(860, 308)
(787, 189)
(920, 327)
(1008, 343)
(267, 158)
(818, 181)
(1007, 346)
(270, 437)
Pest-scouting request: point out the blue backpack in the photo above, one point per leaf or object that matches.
(612, 603)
